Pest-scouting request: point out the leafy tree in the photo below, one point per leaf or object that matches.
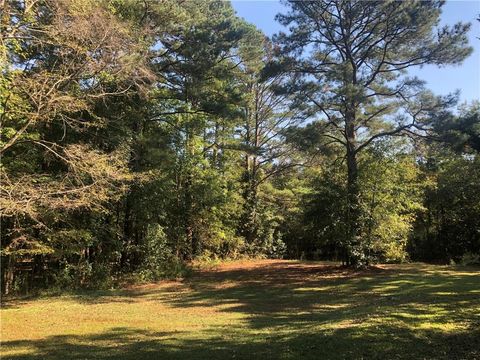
(265, 114)
(137, 136)
(448, 227)
(354, 56)
(391, 195)
(61, 59)
(187, 132)
(462, 131)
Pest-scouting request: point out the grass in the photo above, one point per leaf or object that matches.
(260, 310)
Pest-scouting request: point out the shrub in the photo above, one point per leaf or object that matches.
(470, 259)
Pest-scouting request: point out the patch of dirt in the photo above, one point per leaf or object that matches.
(271, 272)
(166, 284)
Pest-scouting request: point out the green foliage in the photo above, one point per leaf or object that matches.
(139, 136)
(470, 259)
(159, 260)
(461, 132)
(391, 195)
(449, 227)
(348, 62)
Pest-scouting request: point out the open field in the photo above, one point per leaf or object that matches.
(260, 309)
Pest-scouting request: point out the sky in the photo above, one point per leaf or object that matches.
(442, 81)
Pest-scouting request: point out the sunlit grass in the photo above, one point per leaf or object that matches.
(262, 309)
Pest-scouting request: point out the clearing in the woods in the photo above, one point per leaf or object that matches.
(259, 310)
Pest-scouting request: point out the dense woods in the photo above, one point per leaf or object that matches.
(137, 136)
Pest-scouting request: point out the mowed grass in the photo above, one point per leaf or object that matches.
(260, 310)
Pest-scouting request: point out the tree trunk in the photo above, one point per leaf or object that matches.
(127, 232)
(129, 221)
(9, 274)
(249, 230)
(192, 245)
(353, 207)
(250, 210)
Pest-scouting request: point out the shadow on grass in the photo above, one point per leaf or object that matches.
(388, 342)
(295, 311)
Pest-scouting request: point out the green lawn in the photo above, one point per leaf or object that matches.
(260, 310)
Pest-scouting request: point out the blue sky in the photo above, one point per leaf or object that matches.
(441, 81)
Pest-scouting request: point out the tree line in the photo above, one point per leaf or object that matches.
(137, 136)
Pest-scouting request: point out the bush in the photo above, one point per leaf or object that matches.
(470, 259)
(160, 261)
